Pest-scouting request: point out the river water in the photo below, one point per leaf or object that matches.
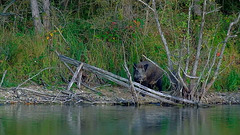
(118, 120)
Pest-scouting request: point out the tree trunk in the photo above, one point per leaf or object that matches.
(46, 15)
(36, 16)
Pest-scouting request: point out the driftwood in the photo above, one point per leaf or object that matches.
(166, 98)
(74, 77)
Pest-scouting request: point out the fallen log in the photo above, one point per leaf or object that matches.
(125, 82)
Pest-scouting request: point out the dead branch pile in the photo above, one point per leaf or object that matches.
(166, 98)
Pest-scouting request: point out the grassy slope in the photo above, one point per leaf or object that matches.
(99, 40)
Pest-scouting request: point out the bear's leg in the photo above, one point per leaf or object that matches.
(159, 84)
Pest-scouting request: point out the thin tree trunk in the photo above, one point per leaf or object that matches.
(46, 15)
(188, 37)
(195, 66)
(199, 46)
(36, 16)
(162, 35)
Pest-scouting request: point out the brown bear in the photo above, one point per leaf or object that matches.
(148, 75)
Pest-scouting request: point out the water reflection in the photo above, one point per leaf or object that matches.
(118, 120)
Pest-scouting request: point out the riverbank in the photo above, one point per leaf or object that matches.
(110, 95)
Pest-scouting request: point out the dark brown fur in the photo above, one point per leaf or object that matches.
(148, 75)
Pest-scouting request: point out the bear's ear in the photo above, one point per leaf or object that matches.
(145, 67)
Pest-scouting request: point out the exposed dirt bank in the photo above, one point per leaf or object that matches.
(222, 98)
(106, 95)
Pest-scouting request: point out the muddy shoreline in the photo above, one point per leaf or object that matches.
(109, 95)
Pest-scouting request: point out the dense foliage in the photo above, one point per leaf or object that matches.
(95, 31)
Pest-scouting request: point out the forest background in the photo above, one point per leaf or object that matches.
(94, 31)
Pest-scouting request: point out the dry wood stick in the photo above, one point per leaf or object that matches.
(188, 37)
(138, 89)
(199, 45)
(92, 89)
(74, 76)
(34, 91)
(165, 72)
(144, 90)
(146, 5)
(153, 8)
(125, 84)
(56, 96)
(33, 76)
(3, 78)
(162, 35)
(61, 35)
(79, 79)
(104, 73)
(132, 89)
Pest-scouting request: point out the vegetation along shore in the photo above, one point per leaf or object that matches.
(87, 51)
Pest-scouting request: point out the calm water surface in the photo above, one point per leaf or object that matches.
(118, 120)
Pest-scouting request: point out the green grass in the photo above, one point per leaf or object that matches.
(99, 40)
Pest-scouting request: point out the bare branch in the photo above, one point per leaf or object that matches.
(146, 5)
(174, 76)
(192, 77)
(165, 72)
(5, 9)
(79, 81)
(9, 5)
(202, 73)
(124, 82)
(182, 82)
(33, 76)
(133, 91)
(210, 69)
(199, 46)
(162, 35)
(3, 78)
(215, 10)
(160, 31)
(74, 76)
(61, 35)
(226, 67)
(188, 36)
(132, 88)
